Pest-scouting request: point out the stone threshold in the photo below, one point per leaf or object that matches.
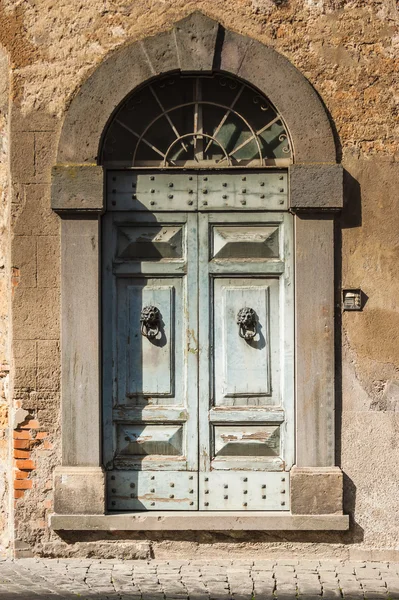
(199, 521)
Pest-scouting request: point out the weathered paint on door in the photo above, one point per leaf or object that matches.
(198, 341)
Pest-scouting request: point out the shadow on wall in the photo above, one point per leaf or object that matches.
(350, 217)
(227, 540)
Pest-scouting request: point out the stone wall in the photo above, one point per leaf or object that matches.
(349, 52)
(4, 302)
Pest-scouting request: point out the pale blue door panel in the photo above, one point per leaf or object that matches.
(149, 368)
(246, 371)
(246, 360)
(244, 490)
(150, 360)
(146, 490)
(234, 242)
(152, 192)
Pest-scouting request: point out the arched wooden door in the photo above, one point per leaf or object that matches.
(197, 299)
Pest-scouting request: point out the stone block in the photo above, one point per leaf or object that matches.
(315, 370)
(24, 260)
(77, 188)
(22, 158)
(162, 52)
(36, 120)
(4, 82)
(316, 491)
(17, 194)
(48, 365)
(234, 49)
(36, 314)
(196, 40)
(33, 214)
(48, 261)
(81, 429)
(24, 360)
(316, 186)
(79, 490)
(22, 549)
(45, 155)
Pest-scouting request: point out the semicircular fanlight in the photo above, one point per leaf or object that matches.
(196, 121)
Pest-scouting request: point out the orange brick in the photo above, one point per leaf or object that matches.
(25, 465)
(21, 474)
(18, 494)
(40, 524)
(47, 445)
(22, 444)
(47, 504)
(33, 424)
(21, 435)
(23, 484)
(41, 435)
(21, 454)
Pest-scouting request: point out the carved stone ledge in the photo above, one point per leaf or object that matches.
(200, 521)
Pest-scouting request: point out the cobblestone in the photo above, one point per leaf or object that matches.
(28, 579)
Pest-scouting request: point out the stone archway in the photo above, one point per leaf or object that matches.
(197, 44)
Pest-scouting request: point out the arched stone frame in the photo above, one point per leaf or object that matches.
(195, 44)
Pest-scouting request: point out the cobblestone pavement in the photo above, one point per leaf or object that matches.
(28, 579)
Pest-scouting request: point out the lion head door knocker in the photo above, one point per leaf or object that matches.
(246, 321)
(150, 320)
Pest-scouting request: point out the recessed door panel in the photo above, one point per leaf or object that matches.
(150, 362)
(246, 440)
(147, 440)
(153, 242)
(245, 242)
(242, 365)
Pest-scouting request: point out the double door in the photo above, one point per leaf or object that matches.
(198, 342)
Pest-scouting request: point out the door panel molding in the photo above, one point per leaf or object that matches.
(220, 406)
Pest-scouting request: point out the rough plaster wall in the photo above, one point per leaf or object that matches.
(4, 300)
(370, 420)
(349, 51)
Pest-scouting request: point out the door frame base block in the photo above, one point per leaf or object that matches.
(79, 490)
